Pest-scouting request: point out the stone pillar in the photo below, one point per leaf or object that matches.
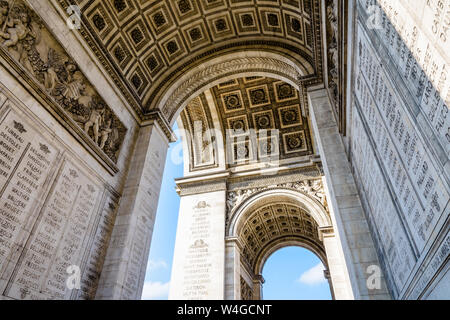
(198, 269)
(347, 213)
(326, 274)
(232, 270)
(258, 287)
(126, 260)
(340, 287)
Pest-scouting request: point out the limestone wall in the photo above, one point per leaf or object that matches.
(199, 257)
(59, 193)
(55, 211)
(400, 133)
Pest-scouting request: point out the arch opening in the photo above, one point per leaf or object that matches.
(303, 276)
(231, 108)
(270, 221)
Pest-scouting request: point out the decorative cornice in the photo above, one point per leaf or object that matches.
(326, 232)
(158, 117)
(198, 188)
(202, 184)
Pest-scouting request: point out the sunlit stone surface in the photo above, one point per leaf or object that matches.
(321, 127)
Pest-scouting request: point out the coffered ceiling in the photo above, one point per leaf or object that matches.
(272, 222)
(146, 44)
(261, 119)
(249, 105)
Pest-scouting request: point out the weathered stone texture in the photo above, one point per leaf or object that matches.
(400, 136)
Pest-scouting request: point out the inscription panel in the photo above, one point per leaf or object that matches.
(418, 185)
(58, 237)
(198, 267)
(25, 161)
(402, 179)
(415, 34)
(440, 257)
(199, 258)
(54, 213)
(393, 239)
(146, 206)
(96, 255)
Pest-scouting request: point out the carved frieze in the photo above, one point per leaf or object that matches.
(25, 38)
(246, 291)
(333, 54)
(335, 38)
(313, 188)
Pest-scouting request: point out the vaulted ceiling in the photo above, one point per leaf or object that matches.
(261, 118)
(248, 105)
(271, 223)
(146, 44)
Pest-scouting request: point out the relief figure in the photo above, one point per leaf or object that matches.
(24, 36)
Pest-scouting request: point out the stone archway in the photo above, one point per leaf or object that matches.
(269, 220)
(203, 192)
(268, 63)
(289, 242)
(136, 64)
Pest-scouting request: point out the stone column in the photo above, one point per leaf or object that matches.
(326, 274)
(126, 260)
(351, 228)
(198, 270)
(258, 287)
(232, 270)
(340, 287)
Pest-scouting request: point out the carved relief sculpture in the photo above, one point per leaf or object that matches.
(246, 291)
(26, 39)
(313, 188)
(333, 53)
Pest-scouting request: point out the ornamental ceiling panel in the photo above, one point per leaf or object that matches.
(146, 43)
(273, 222)
(261, 119)
(249, 106)
(197, 121)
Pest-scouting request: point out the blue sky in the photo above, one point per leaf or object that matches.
(294, 273)
(301, 276)
(163, 242)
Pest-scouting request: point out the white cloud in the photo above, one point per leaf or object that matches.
(154, 265)
(155, 291)
(313, 276)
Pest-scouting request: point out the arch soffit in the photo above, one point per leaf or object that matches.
(177, 94)
(295, 197)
